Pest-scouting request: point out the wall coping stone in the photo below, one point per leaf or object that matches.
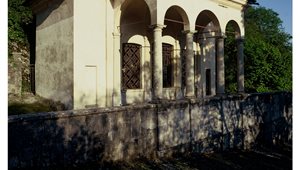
(76, 113)
(153, 105)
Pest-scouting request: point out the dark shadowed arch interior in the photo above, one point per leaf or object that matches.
(135, 18)
(232, 28)
(176, 21)
(134, 29)
(205, 18)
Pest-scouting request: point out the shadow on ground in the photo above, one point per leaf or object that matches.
(263, 158)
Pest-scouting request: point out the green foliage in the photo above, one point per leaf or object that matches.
(252, 2)
(268, 53)
(19, 16)
(268, 66)
(230, 54)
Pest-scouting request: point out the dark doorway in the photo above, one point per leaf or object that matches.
(208, 82)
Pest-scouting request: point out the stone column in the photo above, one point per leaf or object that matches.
(202, 67)
(240, 64)
(220, 66)
(178, 70)
(190, 75)
(117, 70)
(157, 61)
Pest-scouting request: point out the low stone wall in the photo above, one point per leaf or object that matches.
(76, 137)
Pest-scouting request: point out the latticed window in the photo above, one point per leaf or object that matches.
(131, 66)
(168, 69)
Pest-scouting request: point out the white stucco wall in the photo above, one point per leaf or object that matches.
(88, 45)
(91, 48)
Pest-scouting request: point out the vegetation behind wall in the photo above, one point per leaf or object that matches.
(268, 53)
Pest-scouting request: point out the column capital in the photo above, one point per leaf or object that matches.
(157, 26)
(221, 37)
(116, 34)
(189, 31)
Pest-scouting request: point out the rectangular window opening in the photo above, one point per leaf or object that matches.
(168, 68)
(208, 82)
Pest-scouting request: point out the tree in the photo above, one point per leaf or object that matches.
(230, 54)
(19, 16)
(252, 2)
(268, 52)
(19, 32)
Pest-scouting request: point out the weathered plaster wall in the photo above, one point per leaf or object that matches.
(54, 52)
(75, 137)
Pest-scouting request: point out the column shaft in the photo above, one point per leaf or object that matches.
(117, 70)
(240, 63)
(157, 62)
(190, 75)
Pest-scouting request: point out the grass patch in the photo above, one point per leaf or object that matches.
(25, 108)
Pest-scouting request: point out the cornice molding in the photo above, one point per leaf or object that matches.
(237, 4)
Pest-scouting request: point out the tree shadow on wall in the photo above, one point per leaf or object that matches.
(261, 121)
(54, 143)
(275, 129)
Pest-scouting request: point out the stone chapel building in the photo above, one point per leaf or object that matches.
(103, 53)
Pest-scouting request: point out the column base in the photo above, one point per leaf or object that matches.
(243, 94)
(189, 97)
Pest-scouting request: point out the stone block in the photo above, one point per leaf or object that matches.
(97, 124)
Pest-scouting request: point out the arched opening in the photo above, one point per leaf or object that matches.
(135, 51)
(208, 32)
(176, 21)
(230, 57)
(135, 19)
(207, 22)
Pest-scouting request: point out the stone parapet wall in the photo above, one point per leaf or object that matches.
(76, 137)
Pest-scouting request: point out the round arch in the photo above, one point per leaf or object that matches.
(207, 18)
(121, 7)
(176, 14)
(235, 29)
(134, 20)
(232, 32)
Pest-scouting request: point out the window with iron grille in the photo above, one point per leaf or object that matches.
(131, 66)
(168, 68)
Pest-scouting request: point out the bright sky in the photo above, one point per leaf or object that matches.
(283, 8)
